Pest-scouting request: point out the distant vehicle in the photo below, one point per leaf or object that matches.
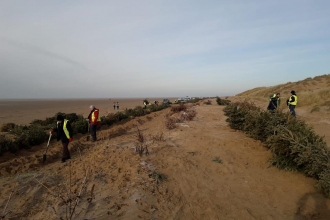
(166, 102)
(184, 99)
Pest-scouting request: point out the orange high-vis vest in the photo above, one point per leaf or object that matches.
(93, 116)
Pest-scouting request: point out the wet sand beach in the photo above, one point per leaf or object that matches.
(25, 111)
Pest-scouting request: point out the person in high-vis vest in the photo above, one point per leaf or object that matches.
(274, 102)
(64, 133)
(94, 121)
(292, 103)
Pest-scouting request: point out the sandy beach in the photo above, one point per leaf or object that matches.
(25, 111)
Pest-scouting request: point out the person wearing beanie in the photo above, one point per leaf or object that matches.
(94, 121)
(64, 133)
(274, 102)
(292, 103)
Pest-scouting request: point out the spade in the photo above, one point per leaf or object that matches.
(44, 156)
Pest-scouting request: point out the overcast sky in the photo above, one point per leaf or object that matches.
(151, 48)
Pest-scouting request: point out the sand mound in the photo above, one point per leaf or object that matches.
(204, 170)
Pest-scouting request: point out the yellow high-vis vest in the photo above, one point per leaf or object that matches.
(93, 116)
(295, 100)
(66, 131)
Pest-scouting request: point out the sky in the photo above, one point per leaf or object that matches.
(156, 48)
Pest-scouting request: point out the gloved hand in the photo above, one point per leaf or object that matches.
(70, 139)
(51, 131)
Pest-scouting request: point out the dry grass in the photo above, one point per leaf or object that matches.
(170, 123)
(189, 114)
(316, 108)
(310, 91)
(141, 143)
(69, 194)
(178, 108)
(317, 97)
(158, 137)
(175, 117)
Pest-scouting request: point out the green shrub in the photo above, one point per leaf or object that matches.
(223, 101)
(36, 135)
(109, 119)
(7, 127)
(138, 111)
(121, 116)
(155, 108)
(113, 118)
(46, 122)
(7, 145)
(73, 117)
(18, 130)
(25, 136)
(80, 126)
(261, 124)
(237, 112)
(208, 102)
(294, 144)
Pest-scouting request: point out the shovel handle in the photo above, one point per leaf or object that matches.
(44, 156)
(50, 136)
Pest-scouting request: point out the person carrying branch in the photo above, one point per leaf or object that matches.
(292, 103)
(274, 102)
(94, 121)
(64, 133)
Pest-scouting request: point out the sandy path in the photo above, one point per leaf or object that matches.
(243, 186)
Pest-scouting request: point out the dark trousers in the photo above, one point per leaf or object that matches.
(66, 153)
(293, 112)
(92, 129)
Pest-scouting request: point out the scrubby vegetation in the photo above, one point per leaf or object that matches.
(179, 114)
(223, 101)
(26, 136)
(23, 136)
(294, 144)
(141, 145)
(208, 102)
(7, 127)
(178, 108)
(157, 176)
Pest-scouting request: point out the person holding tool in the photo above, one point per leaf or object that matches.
(274, 102)
(64, 133)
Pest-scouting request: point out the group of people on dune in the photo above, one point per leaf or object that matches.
(274, 102)
(65, 132)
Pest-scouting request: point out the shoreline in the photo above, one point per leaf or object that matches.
(25, 111)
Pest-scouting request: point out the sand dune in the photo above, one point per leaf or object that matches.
(120, 185)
